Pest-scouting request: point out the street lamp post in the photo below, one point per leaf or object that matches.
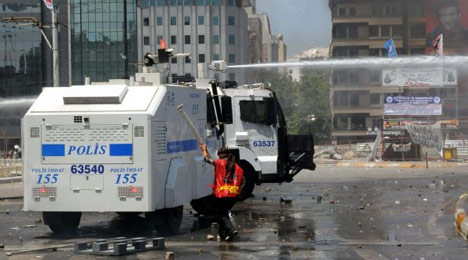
(310, 119)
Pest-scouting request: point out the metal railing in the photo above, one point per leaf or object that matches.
(11, 167)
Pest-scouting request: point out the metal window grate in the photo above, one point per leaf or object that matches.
(35, 132)
(139, 131)
(90, 100)
(77, 119)
(130, 192)
(45, 192)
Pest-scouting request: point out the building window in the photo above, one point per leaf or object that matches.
(418, 31)
(341, 32)
(201, 39)
(230, 2)
(173, 39)
(201, 20)
(174, 60)
(374, 99)
(173, 2)
(216, 57)
(200, 2)
(187, 20)
(417, 51)
(397, 31)
(341, 11)
(232, 39)
(160, 2)
(385, 31)
(146, 21)
(232, 58)
(188, 2)
(215, 20)
(373, 31)
(374, 52)
(352, 11)
(201, 58)
(173, 20)
(159, 20)
(146, 40)
(215, 39)
(353, 32)
(188, 60)
(231, 20)
(187, 39)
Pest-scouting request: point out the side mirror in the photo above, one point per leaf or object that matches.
(226, 105)
(271, 110)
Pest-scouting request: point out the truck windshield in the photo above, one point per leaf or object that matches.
(259, 112)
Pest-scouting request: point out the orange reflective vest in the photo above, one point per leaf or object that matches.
(225, 187)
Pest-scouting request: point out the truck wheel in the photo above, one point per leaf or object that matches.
(62, 222)
(167, 221)
(250, 178)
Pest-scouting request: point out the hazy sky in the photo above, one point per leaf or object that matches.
(304, 23)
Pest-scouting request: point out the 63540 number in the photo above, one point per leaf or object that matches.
(87, 169)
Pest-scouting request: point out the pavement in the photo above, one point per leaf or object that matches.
(388, 164)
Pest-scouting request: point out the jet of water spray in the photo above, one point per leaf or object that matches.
(373, 63)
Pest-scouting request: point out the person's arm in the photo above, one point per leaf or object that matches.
(205, 154)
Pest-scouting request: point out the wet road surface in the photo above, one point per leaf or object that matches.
(333, 213)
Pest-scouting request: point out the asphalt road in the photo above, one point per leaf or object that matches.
(332, 213)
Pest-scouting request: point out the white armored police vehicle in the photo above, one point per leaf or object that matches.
(125, 148)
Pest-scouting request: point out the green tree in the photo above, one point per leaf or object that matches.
(310, 96)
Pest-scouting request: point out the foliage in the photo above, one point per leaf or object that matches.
(310, 96)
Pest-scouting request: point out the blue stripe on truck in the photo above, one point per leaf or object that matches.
(53, 150)
(182, 146)
(121, 149)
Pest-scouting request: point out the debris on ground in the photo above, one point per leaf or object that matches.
(210, 237)
(329, 153)
(170, 256)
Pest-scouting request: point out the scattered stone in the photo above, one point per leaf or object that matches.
(302, 227)
(170, 255)
(2, 246)
(399, 245)
(15, 228)
(332, 202)
(397, 202)
(264, 198)
(38, 221)
(29, 226)
(425, 199)
(200, 251)
(319, 199)
(210, 237)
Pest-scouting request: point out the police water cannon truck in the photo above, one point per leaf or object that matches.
(124, 147)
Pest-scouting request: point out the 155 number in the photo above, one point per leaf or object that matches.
(126, 178)
(47, 178)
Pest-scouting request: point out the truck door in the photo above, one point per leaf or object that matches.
(258, 130)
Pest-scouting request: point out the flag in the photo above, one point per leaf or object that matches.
(163, 44)
(391, 49)
(438, 45)
(49, 4)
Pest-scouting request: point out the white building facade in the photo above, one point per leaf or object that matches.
(207, 29)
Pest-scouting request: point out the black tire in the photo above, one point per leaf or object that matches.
(250, 178)
(167, 221)
(62, 222)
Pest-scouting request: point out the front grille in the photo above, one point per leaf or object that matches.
(77, 119)
(45, 192)
(130, 192)
(35, 133)
(91, 100)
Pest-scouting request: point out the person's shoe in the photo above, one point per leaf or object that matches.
(231, 236)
